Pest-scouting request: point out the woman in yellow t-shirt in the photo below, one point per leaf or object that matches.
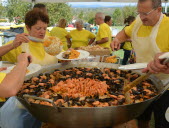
(81, 37)
(36, 26)
(36, 22)
(127, 45)
(61, 33)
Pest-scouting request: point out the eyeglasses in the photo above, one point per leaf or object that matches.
(145, 13)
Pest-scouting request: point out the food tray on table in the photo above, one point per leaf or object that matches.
(96, 50)
(110, 59)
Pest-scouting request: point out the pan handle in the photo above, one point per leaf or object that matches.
(40, 98)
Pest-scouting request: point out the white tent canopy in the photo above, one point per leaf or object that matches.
(64, 1)
(54, 1)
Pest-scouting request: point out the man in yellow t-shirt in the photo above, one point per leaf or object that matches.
(149, 35)
(103, 37)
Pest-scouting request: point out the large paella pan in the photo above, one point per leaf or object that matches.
(85, 117)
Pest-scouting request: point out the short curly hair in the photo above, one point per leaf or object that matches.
(34, 15)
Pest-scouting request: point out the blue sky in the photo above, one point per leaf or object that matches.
(101, 4)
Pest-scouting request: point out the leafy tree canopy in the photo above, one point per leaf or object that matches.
(56, 11)
(15, 8)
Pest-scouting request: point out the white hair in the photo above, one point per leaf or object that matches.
(79, 21)
(100, 15)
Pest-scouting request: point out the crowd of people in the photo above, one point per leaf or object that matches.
(146, 34)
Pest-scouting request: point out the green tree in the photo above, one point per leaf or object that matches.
(2, 11)
(118, 17)
(57, 11)
(129, 11)
(15, 8)
(91, 21)
(86, 14)
(81, 15)
(89, 17)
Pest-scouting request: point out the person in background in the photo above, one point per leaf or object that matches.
(108, 21)
(167, 14)
(95, 29)
(149, 35)
(36, 23)
(60, 32)
(127, 47)
(41, 7)
(80, 36)
(103, 37)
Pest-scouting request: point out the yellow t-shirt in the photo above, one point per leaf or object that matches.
(104, 31)
(2, 76)
(162, 38)
(127, 46)
(61, 33)
(80, 38)
(26, 31)
(36, 49)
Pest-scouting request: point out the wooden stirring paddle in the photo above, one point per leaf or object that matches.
(127, 87)
(135, 82)
(127, 94)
